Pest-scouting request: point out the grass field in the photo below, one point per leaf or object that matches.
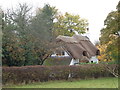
(91, 83)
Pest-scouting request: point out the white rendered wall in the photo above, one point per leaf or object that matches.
(94, 59)
(74, 62)
(55, 55)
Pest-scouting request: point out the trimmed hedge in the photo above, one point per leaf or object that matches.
(52, 61)
(29, 74)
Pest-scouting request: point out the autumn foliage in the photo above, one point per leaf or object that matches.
(109, 40)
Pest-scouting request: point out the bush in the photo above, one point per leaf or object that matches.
(52, 61)
(30, 74)
(25, 74)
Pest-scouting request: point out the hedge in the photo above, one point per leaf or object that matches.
(30, 74)
(52, 61)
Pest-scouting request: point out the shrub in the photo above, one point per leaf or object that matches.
(59, 72)
(25, 74)
(53, 61)
(30, 74)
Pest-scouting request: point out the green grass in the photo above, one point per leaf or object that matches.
(91, 83)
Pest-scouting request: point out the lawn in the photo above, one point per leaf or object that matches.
(91, 83)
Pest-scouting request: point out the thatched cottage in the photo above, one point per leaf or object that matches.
(78, 47)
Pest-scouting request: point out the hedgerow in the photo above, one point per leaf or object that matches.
(30, 74)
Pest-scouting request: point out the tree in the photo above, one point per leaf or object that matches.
(42, 27)
(66, 24)
(1, 24)
(109, 36)
(42, 23)
(118, 7)
(15, 36)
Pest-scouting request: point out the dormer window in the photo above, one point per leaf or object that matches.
(63, 53)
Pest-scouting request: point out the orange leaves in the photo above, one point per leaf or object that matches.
(102, 49)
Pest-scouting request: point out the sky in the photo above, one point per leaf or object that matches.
(95, 11)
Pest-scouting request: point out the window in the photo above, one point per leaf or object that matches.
(98, 52)
(84, 53)
(91, 61)
(63, 53)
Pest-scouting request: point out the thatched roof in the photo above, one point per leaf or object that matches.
(78, 46)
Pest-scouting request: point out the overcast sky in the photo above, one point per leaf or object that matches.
(95, 11)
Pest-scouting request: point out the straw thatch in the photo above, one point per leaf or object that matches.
(78, 46)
